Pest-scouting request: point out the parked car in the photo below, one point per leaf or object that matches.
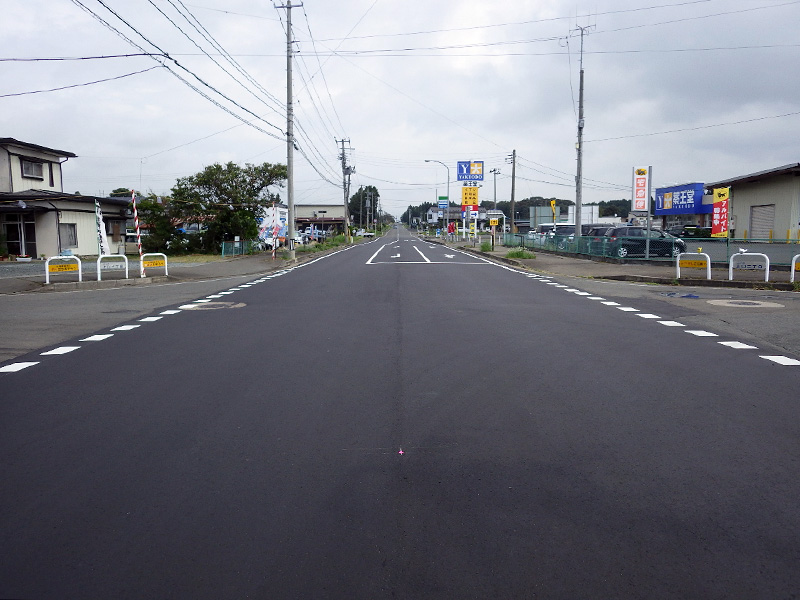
(563, 235)
(632, 240)
(690, 231)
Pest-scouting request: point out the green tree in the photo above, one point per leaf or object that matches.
(615, 208)
(157, 222)
(359, 213)
(228, 199)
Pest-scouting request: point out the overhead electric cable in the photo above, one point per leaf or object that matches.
(66, 87)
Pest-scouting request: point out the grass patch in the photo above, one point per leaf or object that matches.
(486, 246)
(520, 253)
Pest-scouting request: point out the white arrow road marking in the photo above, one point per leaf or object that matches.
(395, 256)
(449, 255)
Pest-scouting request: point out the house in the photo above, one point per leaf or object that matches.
(328, 217)
(764, 205)
(37, 218)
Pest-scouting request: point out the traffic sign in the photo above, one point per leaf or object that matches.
(443, 205)
(470, 170)
(469, 195)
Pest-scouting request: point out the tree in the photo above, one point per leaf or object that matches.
(615, 208)
(359, 212)
(158, 224)
(227, 199)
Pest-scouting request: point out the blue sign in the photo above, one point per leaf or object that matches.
(470, 170)
(684, 199)
(442, 205)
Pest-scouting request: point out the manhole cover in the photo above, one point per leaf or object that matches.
(212, 305)
(746, 303)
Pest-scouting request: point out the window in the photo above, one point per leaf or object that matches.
(69, 235)
(32, 169)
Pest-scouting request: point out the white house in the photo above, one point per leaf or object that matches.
(37, 218)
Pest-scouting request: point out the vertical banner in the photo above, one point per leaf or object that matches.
(641, 187)
(719, 219)
(102, 238)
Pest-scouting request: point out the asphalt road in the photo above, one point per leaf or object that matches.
(437, 426)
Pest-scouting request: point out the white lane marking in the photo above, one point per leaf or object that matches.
(738, 345)
(627, 309)
(371, 258)
(14, 367)
(672, 324)
(573, 290)
(582, 294)
(558, 285)
(61, 350)
(421, 254)
(245, 285)
(202, 300)
(169, 312)
(225, 293)
(701, 333)
(97, 338)
(596, 298)
(150, 319)
(215, 296)
(648, 316)
(610, 303)
(125, 327)
(782, 360)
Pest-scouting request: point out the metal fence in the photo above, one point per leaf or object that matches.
(242, 247)
(780, 252)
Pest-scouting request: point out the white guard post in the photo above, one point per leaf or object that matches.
(111, 265)
(693, 264)
(149, 264)
(749, 266)
(63, 268)
(794, 267)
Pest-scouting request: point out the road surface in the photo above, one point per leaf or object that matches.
(401, 420)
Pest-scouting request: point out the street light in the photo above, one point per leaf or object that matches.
(447, 210)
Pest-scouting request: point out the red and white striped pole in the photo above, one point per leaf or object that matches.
(138, 233)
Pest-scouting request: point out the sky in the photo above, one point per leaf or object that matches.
(701, 90)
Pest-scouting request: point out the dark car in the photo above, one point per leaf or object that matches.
(632, 241)
(564, 235)
(690, 231)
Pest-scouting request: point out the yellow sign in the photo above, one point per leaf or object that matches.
(153, 263)
(469, 196)
(797, 266)
(693, 264)
(494, 222)
(62, 268)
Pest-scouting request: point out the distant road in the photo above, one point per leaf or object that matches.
(400, 420)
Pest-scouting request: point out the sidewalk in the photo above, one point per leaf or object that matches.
(655, 271)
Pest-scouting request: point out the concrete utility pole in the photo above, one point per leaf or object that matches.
(579, 147)
(513, 160)
(289, 129)
(346, 172)
(495, 172)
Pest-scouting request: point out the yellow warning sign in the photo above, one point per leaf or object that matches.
(693, 264)
(153, 263)
(62, 268)
(494, 222)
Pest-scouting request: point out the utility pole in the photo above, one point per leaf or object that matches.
(289, 129)
(346, 172)
(495, 172)
(513, 161)
(579, 147)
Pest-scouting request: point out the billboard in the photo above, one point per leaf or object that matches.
(641, 189)
(470, 170)
(684, 199)
(719, 223)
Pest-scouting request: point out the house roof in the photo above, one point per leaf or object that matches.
(10, 199)
(12, 141)
(790, 169)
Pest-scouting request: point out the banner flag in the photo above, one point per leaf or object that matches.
(719, 218)
(641, 189)
(102, 238)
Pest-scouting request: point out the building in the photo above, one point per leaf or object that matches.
(328, 217)
(685, 204)
(764, 205)
(37, 218)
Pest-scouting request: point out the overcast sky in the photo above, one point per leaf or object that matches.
(699, 89)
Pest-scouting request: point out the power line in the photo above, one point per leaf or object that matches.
(66, 87)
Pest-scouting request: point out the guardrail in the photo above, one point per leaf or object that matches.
(62, 268)
(149, 264)
(108, 257)
(693, 264)
(749, 266)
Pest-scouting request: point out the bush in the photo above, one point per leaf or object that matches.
(520, 253)
(486, 247)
